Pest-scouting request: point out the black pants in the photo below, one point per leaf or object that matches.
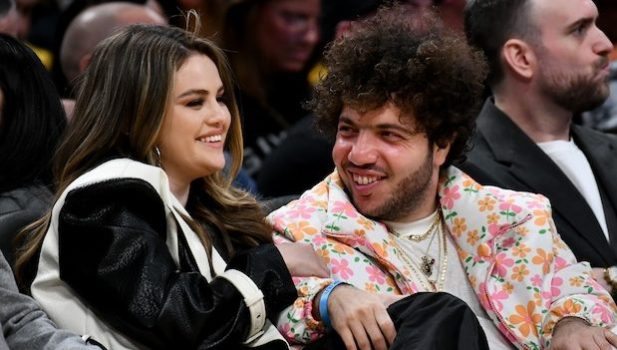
(433, 321)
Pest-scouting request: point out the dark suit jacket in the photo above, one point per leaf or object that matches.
(503, 155)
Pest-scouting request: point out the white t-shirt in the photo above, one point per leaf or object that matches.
(456, 282)
(571, 160)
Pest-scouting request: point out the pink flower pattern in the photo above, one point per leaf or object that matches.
(491, 258)
(536, 280)
(341, 268)
(449, 196)
(301, 212)
(375, 275)
(502, 263)
(345, 208)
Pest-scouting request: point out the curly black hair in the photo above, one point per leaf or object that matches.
(427, 71)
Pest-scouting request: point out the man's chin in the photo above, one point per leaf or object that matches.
(364, 207)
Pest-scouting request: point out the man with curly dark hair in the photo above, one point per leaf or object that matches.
(397, 224)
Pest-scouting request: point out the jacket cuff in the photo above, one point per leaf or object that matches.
(265, 266)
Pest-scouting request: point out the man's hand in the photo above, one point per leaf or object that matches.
(360, 318)
(598, 275)
(573, 333)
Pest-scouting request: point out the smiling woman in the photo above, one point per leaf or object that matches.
(148, 245)
(192, 136)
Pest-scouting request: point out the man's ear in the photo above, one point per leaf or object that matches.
(519, 58)
(440, 153)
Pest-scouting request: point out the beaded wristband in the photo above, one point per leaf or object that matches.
(323, 303)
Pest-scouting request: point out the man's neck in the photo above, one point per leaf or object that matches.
(541, 120)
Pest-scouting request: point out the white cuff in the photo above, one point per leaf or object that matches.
(253, 298)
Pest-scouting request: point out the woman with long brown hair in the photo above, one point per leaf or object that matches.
(148, 245)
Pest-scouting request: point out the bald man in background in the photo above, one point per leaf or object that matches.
(96, 24)
(92, 26)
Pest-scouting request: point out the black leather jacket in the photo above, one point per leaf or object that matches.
(112, 252)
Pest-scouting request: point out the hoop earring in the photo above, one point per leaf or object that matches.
(157, 153)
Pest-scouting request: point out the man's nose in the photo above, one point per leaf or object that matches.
(603, 46)
(363, 151)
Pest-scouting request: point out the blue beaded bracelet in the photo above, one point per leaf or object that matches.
(323, 303)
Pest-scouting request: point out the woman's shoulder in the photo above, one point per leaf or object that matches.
(121, 170)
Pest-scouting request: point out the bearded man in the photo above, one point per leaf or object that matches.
(548, 62)
(399, 225)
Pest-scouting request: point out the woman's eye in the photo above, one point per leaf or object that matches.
(195, 103)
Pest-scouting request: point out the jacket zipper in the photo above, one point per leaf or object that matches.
(501, 320)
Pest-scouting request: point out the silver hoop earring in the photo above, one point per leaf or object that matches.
(157, 152)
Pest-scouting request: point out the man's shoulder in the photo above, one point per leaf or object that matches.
(584, 133)
(462, 190)
(313, 199)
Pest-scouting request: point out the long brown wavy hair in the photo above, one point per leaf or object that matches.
(120, 108)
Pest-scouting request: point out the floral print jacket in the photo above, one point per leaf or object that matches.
(523, 274)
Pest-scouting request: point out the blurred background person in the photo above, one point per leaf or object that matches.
(75, 8)
(8, 17)
(95, 24)
(31, 121)
(92, 26)
(270, 44)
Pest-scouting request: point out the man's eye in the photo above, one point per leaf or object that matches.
(580, 29)
(390, 135)
(344, 129)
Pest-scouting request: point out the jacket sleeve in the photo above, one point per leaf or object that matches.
(24, 325)
(112, 252)
(575, 292)
(296, 323)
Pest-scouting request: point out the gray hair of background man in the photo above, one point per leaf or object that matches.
(489, 24)
(95, 24)
(8, 17)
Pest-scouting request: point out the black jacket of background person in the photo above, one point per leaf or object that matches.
(503, 155)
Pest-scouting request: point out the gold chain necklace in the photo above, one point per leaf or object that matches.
(438, 284)
(422, 236)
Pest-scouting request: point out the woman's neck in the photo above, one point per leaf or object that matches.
(180, 190)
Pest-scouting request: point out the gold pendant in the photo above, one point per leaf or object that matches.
(427, 265)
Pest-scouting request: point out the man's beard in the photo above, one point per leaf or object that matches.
(576, 92)
(408, 195)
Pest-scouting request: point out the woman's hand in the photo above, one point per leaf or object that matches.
(302, 261)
